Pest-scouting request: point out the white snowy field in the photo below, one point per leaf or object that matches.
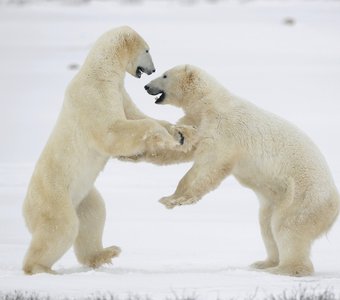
(292, 70)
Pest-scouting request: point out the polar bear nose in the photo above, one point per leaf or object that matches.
(146, 87)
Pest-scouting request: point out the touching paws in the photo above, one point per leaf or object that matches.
(180, 138)
(160, 139)
(172, 201)
(185, 135)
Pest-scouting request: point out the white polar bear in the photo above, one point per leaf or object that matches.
(98, 121)
(298, 198)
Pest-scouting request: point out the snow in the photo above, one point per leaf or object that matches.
(206, 248)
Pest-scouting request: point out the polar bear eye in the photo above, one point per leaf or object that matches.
(147, 51)
(164, 76)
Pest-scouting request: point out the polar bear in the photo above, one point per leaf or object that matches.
(98, 121)
(298, 198)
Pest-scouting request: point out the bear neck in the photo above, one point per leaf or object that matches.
(207, 100)
(103, 65)
(192, 108)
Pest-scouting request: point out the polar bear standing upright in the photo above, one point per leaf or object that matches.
(298, 198)
(98, 121)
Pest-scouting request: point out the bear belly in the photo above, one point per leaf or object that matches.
(269, 185)
(248, 174)
(88, 171)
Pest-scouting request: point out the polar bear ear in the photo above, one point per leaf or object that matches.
(126, 39)
(126, 28)
(189, 76)
(129, 41)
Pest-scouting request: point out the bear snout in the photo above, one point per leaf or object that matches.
(152, 90)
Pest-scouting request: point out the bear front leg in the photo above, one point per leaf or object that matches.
(187, 137)
(131, 138)
(203, 177)
(187, 192)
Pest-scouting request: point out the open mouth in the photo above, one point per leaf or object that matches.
(139, 72)
(160, 97)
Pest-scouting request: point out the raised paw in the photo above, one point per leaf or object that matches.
(167, 202)
(104, 256)
(264, 264)
(171, 201)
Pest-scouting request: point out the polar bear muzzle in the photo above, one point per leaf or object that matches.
(155, 91)
(141, 70)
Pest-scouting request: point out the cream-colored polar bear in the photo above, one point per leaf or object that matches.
(298, 198)
(98, 121)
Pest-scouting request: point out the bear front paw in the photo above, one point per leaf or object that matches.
(161, 140)
(187, 136)
(167, 202)
(170, 202)
(133, 158)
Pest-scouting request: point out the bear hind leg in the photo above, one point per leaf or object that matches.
(49, 243)
(88, 245)
(294, 255)
(294, 238)
(272, 259)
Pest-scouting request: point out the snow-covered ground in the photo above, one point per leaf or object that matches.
(292, 70)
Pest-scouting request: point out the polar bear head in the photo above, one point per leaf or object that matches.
(121, 50)
(138, 53)
(178, 86)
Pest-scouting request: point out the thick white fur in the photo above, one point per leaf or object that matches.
(98, 121)
(298, 198)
